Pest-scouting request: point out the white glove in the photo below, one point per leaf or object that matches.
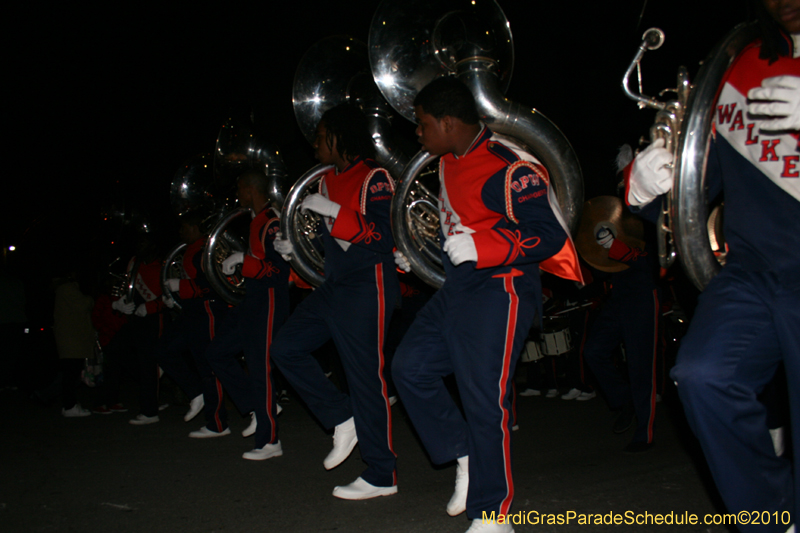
(779, 98)
(169, 302)
(402, 261)
(229, 265)
(174, 284)
(604, 237)
(123, 306)
(460, 248)
(651, 175)
(283, 246)
(141, 310)
(319, 204)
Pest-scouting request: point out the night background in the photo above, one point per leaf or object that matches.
(105, 105)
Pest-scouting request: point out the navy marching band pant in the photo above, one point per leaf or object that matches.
(355, 314)
(630, 318)
(744, 325)
(194, 331)
(250, 327)
(477, 335)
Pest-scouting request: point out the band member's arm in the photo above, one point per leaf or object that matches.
(530, 231)
(196, 285)
(370, 228)
(264, 262)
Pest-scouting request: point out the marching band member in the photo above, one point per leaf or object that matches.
(251, 326)
(145, 325)
(747, 319)
(203, 312)
(498, 226)
(630, 316)
(353, 306)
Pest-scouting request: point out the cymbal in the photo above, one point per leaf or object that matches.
(607, 211)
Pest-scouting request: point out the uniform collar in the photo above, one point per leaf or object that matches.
(482, 136)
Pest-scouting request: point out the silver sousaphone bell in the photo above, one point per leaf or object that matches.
(333, 71)
(411, 42)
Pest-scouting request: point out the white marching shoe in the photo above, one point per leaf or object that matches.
(142, 420)
(479, 526)
(195, 406)
(75, 411)
(458, 501)
(362, 490)
(267, 452)
(344, 440)
(205, 433)
(250, 430)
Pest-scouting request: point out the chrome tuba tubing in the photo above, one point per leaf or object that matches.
(299, 228)
(685, 125)
(539, 135)
(171, 269)
(689, 204)
(223, 241)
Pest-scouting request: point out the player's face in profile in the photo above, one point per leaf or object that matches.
(431, 133)
(325, 154)
(245, 195)
(786, 13)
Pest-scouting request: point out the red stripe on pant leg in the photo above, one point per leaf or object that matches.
(382, 361)
(268, 371)
(210, 314)
(511, 325)
(219, 404)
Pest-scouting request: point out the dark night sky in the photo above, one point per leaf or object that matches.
(107, 105)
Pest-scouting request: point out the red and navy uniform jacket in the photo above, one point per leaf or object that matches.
(263, 267)
(502, 197)
(361, 235)
(148, 285)
(194, 290)
(759, 171)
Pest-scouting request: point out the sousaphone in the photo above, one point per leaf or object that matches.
(240, 147)
(412, 42)
(685, 124)
(333, 71)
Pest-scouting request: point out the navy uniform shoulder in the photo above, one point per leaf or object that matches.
(502, 151)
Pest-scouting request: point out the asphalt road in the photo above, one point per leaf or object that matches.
(102, 474)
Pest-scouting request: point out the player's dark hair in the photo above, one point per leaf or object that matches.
(347, 124)
(772, 37)
(447, 96)
(256, 178)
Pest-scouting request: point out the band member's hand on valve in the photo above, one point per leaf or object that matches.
(283, 246)
(651, 174)
(124, 306)
(141, 310)
(460, 247)
(319, 204)
(174, 284)
(604, 237)
(779, 98)
(229, 264)
(168, 301)
(402, 261)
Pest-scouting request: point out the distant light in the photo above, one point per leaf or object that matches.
(12, 248)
